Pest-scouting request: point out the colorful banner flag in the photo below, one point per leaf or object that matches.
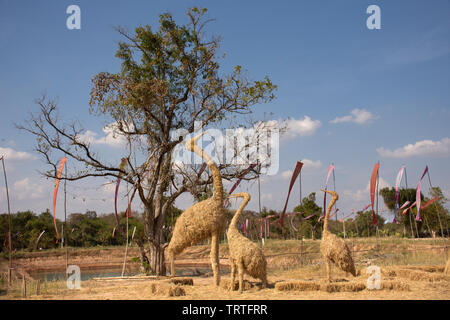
(418, 194)
(330, 170)
(373, 183)
(298, 168)
(55, 193)
(398, 181)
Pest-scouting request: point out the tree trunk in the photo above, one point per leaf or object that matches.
(145, 264)
(157, 258)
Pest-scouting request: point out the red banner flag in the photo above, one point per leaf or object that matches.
(250, 167)
(55, 193)
(298, 168)
(429, 202)
(373, 183)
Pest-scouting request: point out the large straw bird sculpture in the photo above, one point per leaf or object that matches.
(245, 255)
(203, 220)
(334, 249)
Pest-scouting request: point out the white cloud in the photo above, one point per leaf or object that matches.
(311, 164)
(11, 154)
(286, 174)
(420, 148)
(363, 195)
(302, 127)
(27, 189)
(359, 116)
(111, 138)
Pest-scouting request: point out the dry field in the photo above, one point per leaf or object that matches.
(410, 269)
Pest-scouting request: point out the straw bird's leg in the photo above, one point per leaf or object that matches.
(329, 270)
(233, 274)
(241, 275)
(172, 264)
(215, 258)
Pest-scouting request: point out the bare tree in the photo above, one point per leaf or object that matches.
(169, 81)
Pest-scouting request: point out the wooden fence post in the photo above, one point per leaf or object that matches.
(38, 287)
(24, 287)
(301, 252)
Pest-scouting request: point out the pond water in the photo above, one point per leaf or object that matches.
(117, 272)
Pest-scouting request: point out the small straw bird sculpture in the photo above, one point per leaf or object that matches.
(334, 249)
(245, 255)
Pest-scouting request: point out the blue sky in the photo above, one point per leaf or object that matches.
(354, 96)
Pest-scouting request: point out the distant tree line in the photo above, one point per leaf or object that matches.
(89, 229)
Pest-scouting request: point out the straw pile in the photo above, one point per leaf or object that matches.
(182, 281)
(166, 289)
(297, 286)
(226, 284)
(394, 285)
(421, 275)
(343, 287)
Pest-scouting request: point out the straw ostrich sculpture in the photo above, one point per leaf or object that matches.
(203, 220)
(334, 249)
(245, 255)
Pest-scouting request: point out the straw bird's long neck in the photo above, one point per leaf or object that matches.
(238, 212)
(327, 214)
(217, 178)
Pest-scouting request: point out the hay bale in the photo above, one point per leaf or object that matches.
(182, 281)
(427, 268)
(394, 285)
(226, 284)
(343, 287)
(165, 289)
(421, 276)
(297, 286)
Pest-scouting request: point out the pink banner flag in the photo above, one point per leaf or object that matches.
(405, 204)
(55, 193)
(406, 210)
(330, 170)
(418, 194)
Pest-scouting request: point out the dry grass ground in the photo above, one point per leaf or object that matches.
(410, 269)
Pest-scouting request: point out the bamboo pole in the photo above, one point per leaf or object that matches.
(38, 287)
(409, 213)
(334, 189)
(376, 212)
(65, 219)
(435, 205)
(9, 223)
(301, 252)
(126, 245)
